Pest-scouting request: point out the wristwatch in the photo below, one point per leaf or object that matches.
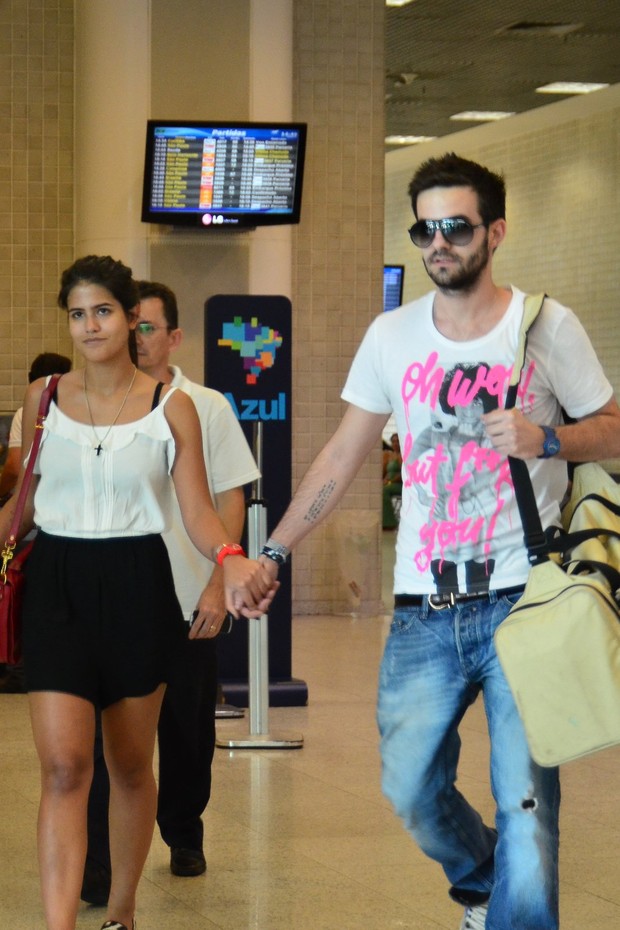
(551, 443)
(227, 549)
(275, 551)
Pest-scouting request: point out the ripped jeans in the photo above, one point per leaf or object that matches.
(435, 663)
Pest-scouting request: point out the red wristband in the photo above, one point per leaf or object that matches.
(227, 549)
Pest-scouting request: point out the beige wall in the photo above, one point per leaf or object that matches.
(199, 70)
(338, 260)
(337, 248)
(36, 184)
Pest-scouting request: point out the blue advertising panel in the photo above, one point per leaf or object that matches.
(248, 358)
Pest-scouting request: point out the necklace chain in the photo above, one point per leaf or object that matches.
(99, 447)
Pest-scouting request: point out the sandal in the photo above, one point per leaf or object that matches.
(115, 925)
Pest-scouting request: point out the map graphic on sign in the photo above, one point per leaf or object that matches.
(256, 344)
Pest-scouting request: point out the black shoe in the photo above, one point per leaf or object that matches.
(95, 884)
(187, 862)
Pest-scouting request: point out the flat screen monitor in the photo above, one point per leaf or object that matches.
(393, 277)
(214, 175)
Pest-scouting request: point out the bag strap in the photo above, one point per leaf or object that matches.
(44, 406)
(611, 574)
(599, 499)
(532, 305)
(536, 542)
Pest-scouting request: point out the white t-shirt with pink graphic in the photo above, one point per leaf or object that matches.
(459, 525)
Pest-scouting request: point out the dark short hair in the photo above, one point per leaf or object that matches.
(48, 363)
(167, 297)
(450, 170)
(104, 271)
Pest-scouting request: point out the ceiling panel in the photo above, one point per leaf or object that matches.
(443, 57)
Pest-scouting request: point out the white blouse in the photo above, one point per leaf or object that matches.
(125, 490)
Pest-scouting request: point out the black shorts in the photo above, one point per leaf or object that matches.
(101, 619)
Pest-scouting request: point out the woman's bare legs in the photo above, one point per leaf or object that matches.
(129, 730)
(63, 726)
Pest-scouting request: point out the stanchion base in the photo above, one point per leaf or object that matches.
(228, 711)
(275, 740)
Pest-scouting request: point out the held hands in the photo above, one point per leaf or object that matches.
(511, 433)
(249, 586)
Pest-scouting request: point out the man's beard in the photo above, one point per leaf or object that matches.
(462, 277)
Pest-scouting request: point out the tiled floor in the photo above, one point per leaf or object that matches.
(302, 839)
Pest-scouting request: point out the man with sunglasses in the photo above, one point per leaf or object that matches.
(441, 365)
(186, 731)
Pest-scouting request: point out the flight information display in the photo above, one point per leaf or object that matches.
(393, 277)
(221, 174)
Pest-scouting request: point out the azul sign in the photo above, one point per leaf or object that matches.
(248, 340)
(253, 408)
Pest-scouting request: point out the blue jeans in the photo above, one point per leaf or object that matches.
(435, 663)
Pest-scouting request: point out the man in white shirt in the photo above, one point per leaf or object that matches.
(441, 365)
(186, 732)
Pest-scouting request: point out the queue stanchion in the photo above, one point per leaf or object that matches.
(260, 736)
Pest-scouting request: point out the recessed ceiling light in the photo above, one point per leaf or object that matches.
(407, 140)
(403, 78)
(569, 87)
(481, 116)
(397, 2)
(533, 29)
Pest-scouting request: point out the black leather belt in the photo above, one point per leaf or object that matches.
(441, 601)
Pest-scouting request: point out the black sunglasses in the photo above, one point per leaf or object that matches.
(454, 229)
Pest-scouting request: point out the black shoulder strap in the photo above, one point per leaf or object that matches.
(157, 394)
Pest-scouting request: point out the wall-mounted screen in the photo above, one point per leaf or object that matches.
(217, 175)
(393, 278)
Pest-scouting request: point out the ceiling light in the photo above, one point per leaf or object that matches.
(569, 87)
(407, 140)
(403, 78)
(534, 29)
(481, 116)
(397, 2)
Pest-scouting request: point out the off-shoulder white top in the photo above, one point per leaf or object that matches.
(126, 490)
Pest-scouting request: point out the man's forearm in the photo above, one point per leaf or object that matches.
(323, 486)
(593, 438)
(330, 475)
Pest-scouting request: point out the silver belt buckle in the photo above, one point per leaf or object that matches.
(449, 603)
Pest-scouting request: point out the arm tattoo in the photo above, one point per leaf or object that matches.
(317, 506)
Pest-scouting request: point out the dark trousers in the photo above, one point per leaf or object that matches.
(186, 738)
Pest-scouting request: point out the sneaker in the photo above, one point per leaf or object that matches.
(475, 917)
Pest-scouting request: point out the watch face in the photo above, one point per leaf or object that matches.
(551, 444)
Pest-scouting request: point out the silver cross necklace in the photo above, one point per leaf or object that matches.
(99, 447)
